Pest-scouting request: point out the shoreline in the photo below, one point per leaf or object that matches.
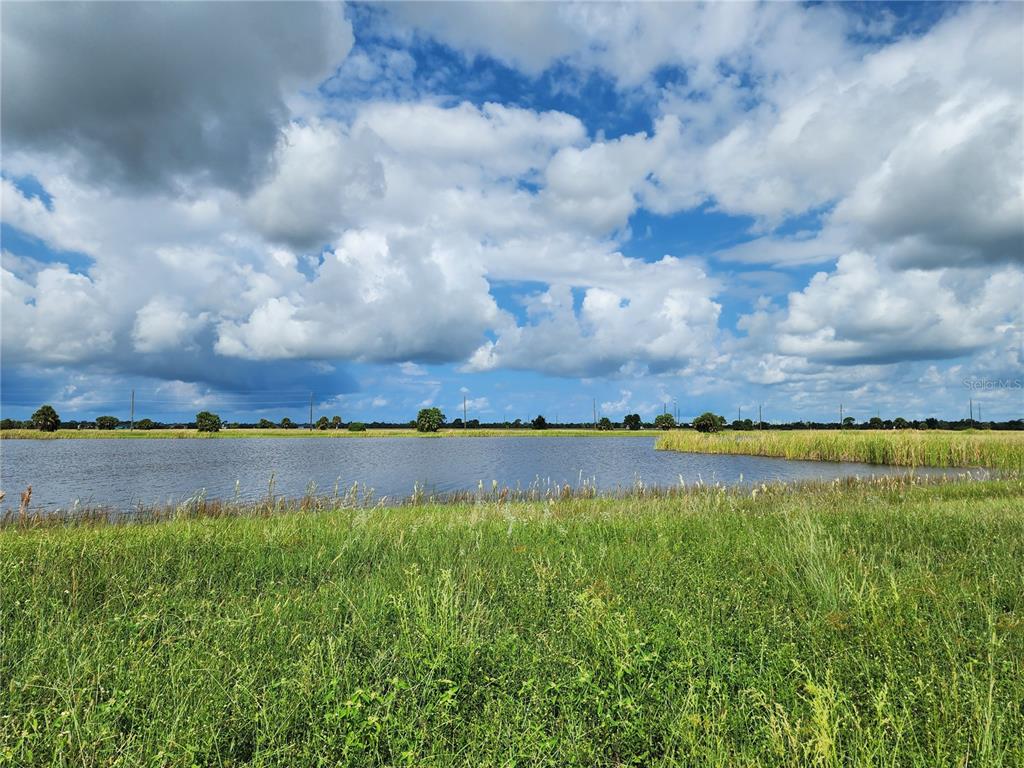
(235, 434)
(363, 499)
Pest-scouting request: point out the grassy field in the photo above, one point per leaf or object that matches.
(907, 448)
(157, 434)
(844, 624)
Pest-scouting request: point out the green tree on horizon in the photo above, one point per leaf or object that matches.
(429, 420)
(208, 422)
(46, 419)
(664, 421)
(709, 422)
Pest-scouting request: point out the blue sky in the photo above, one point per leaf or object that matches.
(530, 206)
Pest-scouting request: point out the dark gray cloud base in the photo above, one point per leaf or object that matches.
(148, 94)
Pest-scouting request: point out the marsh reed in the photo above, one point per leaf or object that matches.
(905, 448)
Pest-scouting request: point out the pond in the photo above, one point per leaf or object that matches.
(122, 474)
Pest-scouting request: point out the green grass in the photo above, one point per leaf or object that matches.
(908, 448)
(157, 434)
(847, 624)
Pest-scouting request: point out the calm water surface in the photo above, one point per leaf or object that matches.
(124, 473)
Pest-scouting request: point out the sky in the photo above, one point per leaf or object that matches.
(532, 207)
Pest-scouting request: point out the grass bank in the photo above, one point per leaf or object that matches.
(905, 448)
(846, 624)
(167, 434)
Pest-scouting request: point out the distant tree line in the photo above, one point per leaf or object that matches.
(47, 419)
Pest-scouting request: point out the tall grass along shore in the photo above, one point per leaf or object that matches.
(852, 623)
(905, 448)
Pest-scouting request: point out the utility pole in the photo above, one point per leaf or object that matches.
(971, 401)
(132, 427)
(840, 415)
(310, 411)
(675, 409)
(595, 413)
(759, 422)
(739, 413)
(463, 411)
